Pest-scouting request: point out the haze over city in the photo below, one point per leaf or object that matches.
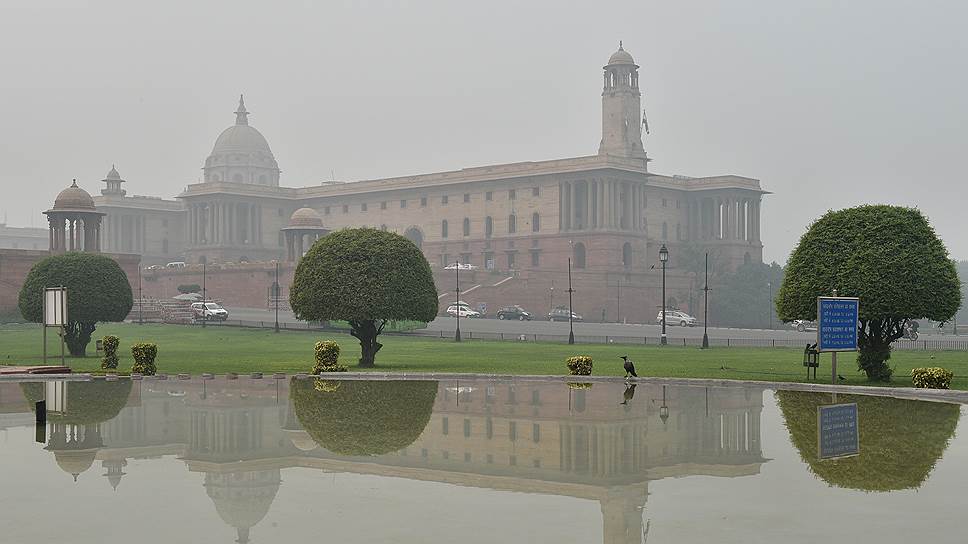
(827, 107)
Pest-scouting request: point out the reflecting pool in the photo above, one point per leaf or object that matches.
(472, 461)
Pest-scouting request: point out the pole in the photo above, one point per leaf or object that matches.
(275, 293)
(141, 299)
(204, 296)
(770, 307)
(457, 332)
(571, 311)
(833, 368)
(705, 308)
(618, 300)
(663, 342)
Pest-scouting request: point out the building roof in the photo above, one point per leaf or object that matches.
(620, 57)
(73, 199)
(305, 217)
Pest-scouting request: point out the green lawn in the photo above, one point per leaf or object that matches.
(222, 349)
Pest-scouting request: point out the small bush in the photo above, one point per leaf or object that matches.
(932, 378)
(327, 358)
(144, 354)
(580, 385)
(579, 365)
(110, 345)
(189, 288)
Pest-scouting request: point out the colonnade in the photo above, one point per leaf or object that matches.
(211, 223)
(726, 218)
(125, 233)
(74, 233)
(601, 205)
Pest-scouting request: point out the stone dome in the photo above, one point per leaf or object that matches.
(241, 139)
(74, 198)
(620, 57)
(242, 155)
(74, 462)
(305, 217)
(113, 174)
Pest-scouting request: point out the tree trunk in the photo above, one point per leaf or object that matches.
(77, 336)
(366, 332)
(874, 342)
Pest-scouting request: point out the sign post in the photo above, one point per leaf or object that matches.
(837, 319)
(55, 314)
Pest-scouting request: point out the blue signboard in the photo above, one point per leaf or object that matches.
(837, 323)
(837, 431)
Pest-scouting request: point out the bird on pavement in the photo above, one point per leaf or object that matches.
(629, 367)
(628, 394)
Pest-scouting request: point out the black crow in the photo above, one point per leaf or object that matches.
(628, 394)
(629, 367)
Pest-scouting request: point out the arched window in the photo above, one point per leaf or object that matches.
(488, 227)
(626, 254)
(665, 231)
(579, 256)
(443, 229)
(467, 227)
(535, 222)
(414, 235)
(512, 224)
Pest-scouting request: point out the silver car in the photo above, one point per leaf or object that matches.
(676, 317)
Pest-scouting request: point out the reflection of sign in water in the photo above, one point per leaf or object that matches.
(837, 323)
(837, 432)
(55, 393)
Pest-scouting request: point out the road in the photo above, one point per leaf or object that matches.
(546, 328)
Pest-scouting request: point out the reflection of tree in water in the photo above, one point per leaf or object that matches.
(900, 440)
(75, 436)
(242, 499)
(364, 417)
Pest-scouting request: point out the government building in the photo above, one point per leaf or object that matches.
(518, 223)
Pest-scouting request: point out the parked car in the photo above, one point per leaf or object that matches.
(460, 266)
(803, 325)
(561, 314)
(208, 311)
(513, 312)
(462, 311)
(676, 317)
(176, 264)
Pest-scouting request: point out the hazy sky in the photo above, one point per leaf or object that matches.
(829, 104)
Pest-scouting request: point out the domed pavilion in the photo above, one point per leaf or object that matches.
(75, 223)
(303, 223)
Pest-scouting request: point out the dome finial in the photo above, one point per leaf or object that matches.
(75, 183)
(241, 115)
(620, 45)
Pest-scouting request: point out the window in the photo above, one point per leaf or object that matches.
(444, 425)
(488, 195)
(579, 256)
(383, 227)
(383, 205)
(678, 231)
(423, 202)
(513, 460)
(536, 432)
(511, 194)
(443, 200)
(444, 260)
(535, 259)
(665, 231)
(467, 428)
(280, 212)
(677, 203)
(535, 222)
(510, 261)
(535, 397)
(467, 197)
(326, 210)
(537, 463)
(664, 203)
(467, 227)
(443, 229)
(403, 203)
(513, 431)
(490, 458)
(488, 227)
(626, 254)
(346, 208)
(512, 224)
(535, 191)
(363, 207)
(489, 428)
(467, 458)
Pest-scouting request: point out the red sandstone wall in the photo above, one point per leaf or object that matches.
(239, 285)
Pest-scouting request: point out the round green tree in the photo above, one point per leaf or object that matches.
(366, 277)
(900, 440)
(365, 417)
(887, 256)
(97, 291)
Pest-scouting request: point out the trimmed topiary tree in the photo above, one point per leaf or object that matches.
(327, 358)
(366, 277)
(110, 344)
(900, 440)
(887, 256)
(97, 291)
(363, 417)
(144, 354)
(579, 365)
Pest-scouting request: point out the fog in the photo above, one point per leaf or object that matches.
(829, 104)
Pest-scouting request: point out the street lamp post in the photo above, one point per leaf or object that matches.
(457, 332)
(769, 307)
(275, 294)
(204, 296)
(618, 300)
(571, 311)
(141, 299)
(705, 307)
(663, 258)
(552, 306)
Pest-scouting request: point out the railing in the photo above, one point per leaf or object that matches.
(906, 345)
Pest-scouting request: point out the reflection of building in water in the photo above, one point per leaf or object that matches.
(540, 437)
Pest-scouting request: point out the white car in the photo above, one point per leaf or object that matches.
(803, 325)
(208, 311)
(675, 317)
(460, 266)
(462, 311)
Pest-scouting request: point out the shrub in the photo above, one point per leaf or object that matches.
(144, 354)
(189, 288)
(327, 358)
(580, 385)
(932, 378)
(579, 365)
(110, 345)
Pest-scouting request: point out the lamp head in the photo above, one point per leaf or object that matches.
(663, 253)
